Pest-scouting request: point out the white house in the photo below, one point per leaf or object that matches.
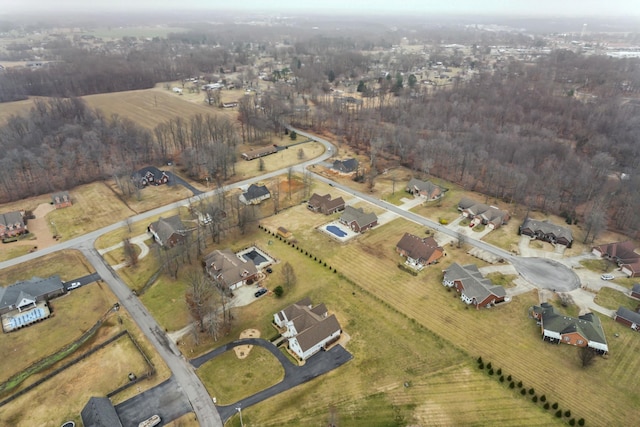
(308, 329)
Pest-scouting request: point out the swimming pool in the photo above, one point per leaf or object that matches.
(336, 230)
(255, 257)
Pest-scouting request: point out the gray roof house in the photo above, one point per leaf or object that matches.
(168, 232)
(228, 269)
(472, 286)
(357, 219)
(99, 412)
(583, 331)
(255, 194)
(12, 224)
(308, 329)
(483, 213)
(425, 189)
(345, 166)
(24, 295)
(546, 231)
(628, 317)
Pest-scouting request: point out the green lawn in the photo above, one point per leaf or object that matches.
(230, 379)
(165, 300)
(598, 265)
(612, 299)
(504, 280)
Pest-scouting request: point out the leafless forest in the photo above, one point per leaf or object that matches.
(531, 118)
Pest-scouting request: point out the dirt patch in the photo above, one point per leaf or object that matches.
(242, 351)
(39, 227)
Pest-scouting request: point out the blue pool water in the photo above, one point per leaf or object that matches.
(336, 230)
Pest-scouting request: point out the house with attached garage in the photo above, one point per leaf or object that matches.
(635, 291)
(346, 166)
(12, 224)
(425, 189)
(26, 294)
(61, 199)
(357, 219)
(255, 194)
(228, 270)
(308, 329)
(621, 253)
(325, 204)
(480, 213)
(628, 318)
(583, 331)
(419, 252)
(259, 152)
(168, 232)
(474, 289)
(547, 232)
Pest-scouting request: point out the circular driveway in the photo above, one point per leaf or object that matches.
(547, 274)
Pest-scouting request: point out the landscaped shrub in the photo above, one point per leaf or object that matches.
(501, 378)
(555, 405)
(534, 399)
(581, 422)
(499, 371)
(512, 385)
(481, 365)
(278, 291)
(559, 413)
(443, 221)
(519, 384)
(531, 391)
(523, 392)
(543, 398)
(489, 365)
(572, 422)
(490, 371)
(567, 413)
(509, 378)
(480, 359)
(546, 405)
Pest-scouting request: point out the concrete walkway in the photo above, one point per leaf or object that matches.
(137, 240)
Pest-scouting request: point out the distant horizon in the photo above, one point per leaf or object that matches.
(575, 9)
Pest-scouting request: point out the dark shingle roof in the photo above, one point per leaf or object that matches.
(345, 166)
(255, 191)
(547, 228)
(630, 315)
(99, 412)
(423, 186)
(588, 325)
(12, 218)
(474, 284)
(34, 288)
(352, 214)
(417, 248)
(166, 227)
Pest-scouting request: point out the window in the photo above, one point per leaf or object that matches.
(567, 338)
(580, 342)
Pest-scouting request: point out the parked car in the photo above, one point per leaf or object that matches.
(269, 270)
(74, 285)
(260, 292)
(607, 276)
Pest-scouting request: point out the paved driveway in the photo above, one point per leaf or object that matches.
(165, 399)
(318, 364)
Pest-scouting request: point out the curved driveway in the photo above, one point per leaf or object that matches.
(318, 364)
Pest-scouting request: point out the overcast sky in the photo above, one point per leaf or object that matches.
(574, 8)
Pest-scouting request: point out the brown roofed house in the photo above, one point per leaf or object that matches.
(419, 252)
(228, 269)
(325, 204)
(358, 220)
(12, 224)
(168, 232)
(623, 254)
(61, 199)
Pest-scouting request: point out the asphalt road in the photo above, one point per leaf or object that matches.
(183, 373)
(318, 364)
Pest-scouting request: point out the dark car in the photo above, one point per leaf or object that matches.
(260, 292)
(269, 270)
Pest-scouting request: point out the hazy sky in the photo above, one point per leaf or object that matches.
(480, 7)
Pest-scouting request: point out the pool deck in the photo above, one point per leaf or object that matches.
(268, 259)
(350, 234)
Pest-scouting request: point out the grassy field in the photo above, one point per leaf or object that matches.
(165, 299)
(67, 264)
(242, 377)
(389, 349)
(612, 299)
(476, 332)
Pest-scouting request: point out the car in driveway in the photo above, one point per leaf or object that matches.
(607, 276)
(260, 292)
(74, 285)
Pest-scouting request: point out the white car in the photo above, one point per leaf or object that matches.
(607, 276)
(74, 285)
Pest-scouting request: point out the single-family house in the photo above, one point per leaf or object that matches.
(480, 213)
(168, 232)
(255, 194)
(229, 270)
(61, 199)
(325, 204)
(308, 329)
(583, 331)
(623, 254)
(473, 287)
(346, 166)
(628, 318)
(150, 176)
(99, 412)
(26, 294)
(547, 232)
(259, 152)
(12, 224)
(357, 219)
(425, 189)
(419, 251)
(635, 291)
